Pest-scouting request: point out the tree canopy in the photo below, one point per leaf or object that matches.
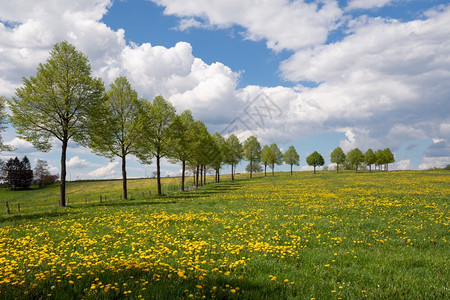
(57, 102)
(291, 157)
(252, 152)
(337, 157)
(355, 157)
(156, 133)
(315, 159)
(115, 131)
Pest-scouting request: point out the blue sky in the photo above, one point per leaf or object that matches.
(359, 73)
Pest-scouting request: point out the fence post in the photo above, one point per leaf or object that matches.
(7, 208)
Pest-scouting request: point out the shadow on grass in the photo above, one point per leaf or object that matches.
(125, 204)
(33, 216)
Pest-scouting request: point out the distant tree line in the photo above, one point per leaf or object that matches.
(355, 159)
(64, 102)
(18, 175)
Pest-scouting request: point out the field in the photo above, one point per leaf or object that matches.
(324, 236)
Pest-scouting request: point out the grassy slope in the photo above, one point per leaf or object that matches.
(379, 235)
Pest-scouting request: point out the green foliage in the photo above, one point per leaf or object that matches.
(291, 157)
(18, 174)
(156, 133)
(337, 157)
(41, 174)
(252, 152)
(315, 159)
(265, 157)
(3, 120)
(275, 157)
(253, 168)
(233, 154)
(114, 129)
(370, 158)
(355, 157)
(57, 102)
(447, 167)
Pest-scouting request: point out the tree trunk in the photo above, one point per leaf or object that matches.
(291, 169)
(314, 169)
(124, 177)
(182, 175)
(337, 168)
(158, 174)
(370, 168)
(232, 173)
(196, 174)
(201, 175)
(273, 169)
(204, 175)
(251, 169)
(265, 167)
(218, 175)
(62, 185)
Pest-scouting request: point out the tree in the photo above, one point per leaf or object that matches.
(265, 157)
(315, 159)
(252, 152)
(291, 157)
(56, 103)
(41, 174)
(3, 120)
(182, 141)
(388, 157)
(275, 157)
(219, 157)
(337, 157)
(115, 132)
(156, 133)
(379, 159)
(18, 174)
(200, 155)
(253, 168)
(370, 158)
(355, 157)
(234, 153)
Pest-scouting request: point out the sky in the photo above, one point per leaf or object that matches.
(313, 74)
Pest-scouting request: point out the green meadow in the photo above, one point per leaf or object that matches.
(324, 236)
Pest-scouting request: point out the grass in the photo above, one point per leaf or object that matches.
(324, 236)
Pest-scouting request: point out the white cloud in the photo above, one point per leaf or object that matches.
(402, 165)
(431, 162)
(270, 20)
(108, 172)
(77, 163)
(384, 83)
(367, 4)
(21, 146)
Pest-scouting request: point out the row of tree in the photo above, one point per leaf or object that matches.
(63, 101)
(355, 158)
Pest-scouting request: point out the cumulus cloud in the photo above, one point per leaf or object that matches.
(109, 171)
(270, 20)
(384, 83)
(77, 163)
(402, 165)
(367, 4)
